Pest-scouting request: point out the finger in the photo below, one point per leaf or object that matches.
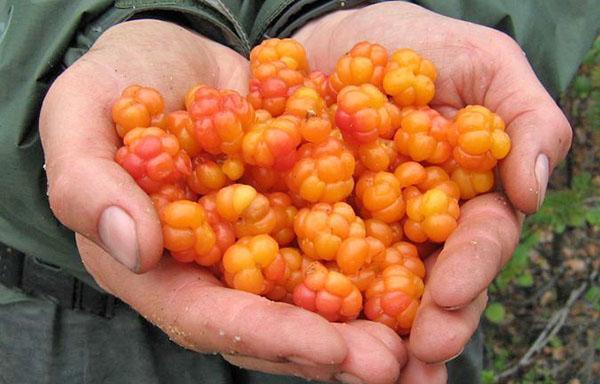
(486, 236)
(88, 191)
(438, 334)
(418, 372)
(386, 335)
(189, 305)
(368, 360)
(320, 373)
(539, 131)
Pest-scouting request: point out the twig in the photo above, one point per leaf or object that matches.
(552, 327)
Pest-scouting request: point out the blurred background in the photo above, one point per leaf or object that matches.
(542, 322)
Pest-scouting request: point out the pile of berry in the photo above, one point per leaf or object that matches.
(315, 190)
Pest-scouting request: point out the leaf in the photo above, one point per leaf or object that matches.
(488, 377)
(593, 295)
(555, 342)
(525, 280)
(495, 313)
(582, 85)
(593, 217)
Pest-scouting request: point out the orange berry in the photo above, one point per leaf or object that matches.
(393, 298)
(401, 253)
(410, 173)
(422, 136)
(363, 114)
(321, 229)
(306, 104)
(265, 179)
(409, 78)
(283, 289)
(328, 293)
(250, 211)
(273, 143)
(271, 84)
(285, 213)
(378, 155)
(479, 138)
(380, 195)
(180, 124)
(207, 176)
(136, 108)
(384, 232)
(472, 183)
(253, 264)
(431, 216)
(318, 81)
(323, 172)
(364, 64)
(169, 193)
(288, 51)
(153, 158)
(220, 119)
(187, 234)
(233, 168)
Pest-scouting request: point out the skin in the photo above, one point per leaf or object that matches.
(191, 306)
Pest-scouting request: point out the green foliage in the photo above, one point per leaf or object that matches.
(592, 296)
(555, 342)
(571, 207)
(592, 113)
(488, 377)
(495, 313)
(582, 85)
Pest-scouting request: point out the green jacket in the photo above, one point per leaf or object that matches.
(40, 38)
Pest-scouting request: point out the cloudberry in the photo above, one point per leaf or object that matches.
(273, 143)
(169, 193)
(479, 138)
(223, 229)
(285, 213)
(187, 234)
(393, 298)
(153, 158)
(137, 107)
(253, 264)
(363, 64)
(220, 119)
(265, 179)
(271, 84)
(431, 216)
(422, 136)
(401, 253)
(409, 78)
(306, 104)
(319, 81)
(321, 229)
(207, 176)
(363, 114)
(361, 279)
(380, 194)
(295, 262)
(288, 51)
(328, 293)
(180, 124)
(323, 172)
(250, 211)
(378, 155)
(233, 168)
(410, 173)
(388, 234)
(436, 177)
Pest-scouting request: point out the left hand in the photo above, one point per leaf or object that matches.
(476, 65)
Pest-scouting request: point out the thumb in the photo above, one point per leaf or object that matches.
(88, 191)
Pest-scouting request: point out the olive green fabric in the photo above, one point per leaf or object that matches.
(66, 346)
(40, 38)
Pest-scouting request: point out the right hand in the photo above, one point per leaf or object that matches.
(119, 234)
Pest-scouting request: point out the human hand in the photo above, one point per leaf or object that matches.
(119, 234)
(476, 65)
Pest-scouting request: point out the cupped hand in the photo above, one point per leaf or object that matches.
(476, 65)
(119, 234)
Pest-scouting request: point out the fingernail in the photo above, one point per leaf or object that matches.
(454, 308)
(301, 361)
(348, 378)
(453, 357)
(117, 232)
(541, 175)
